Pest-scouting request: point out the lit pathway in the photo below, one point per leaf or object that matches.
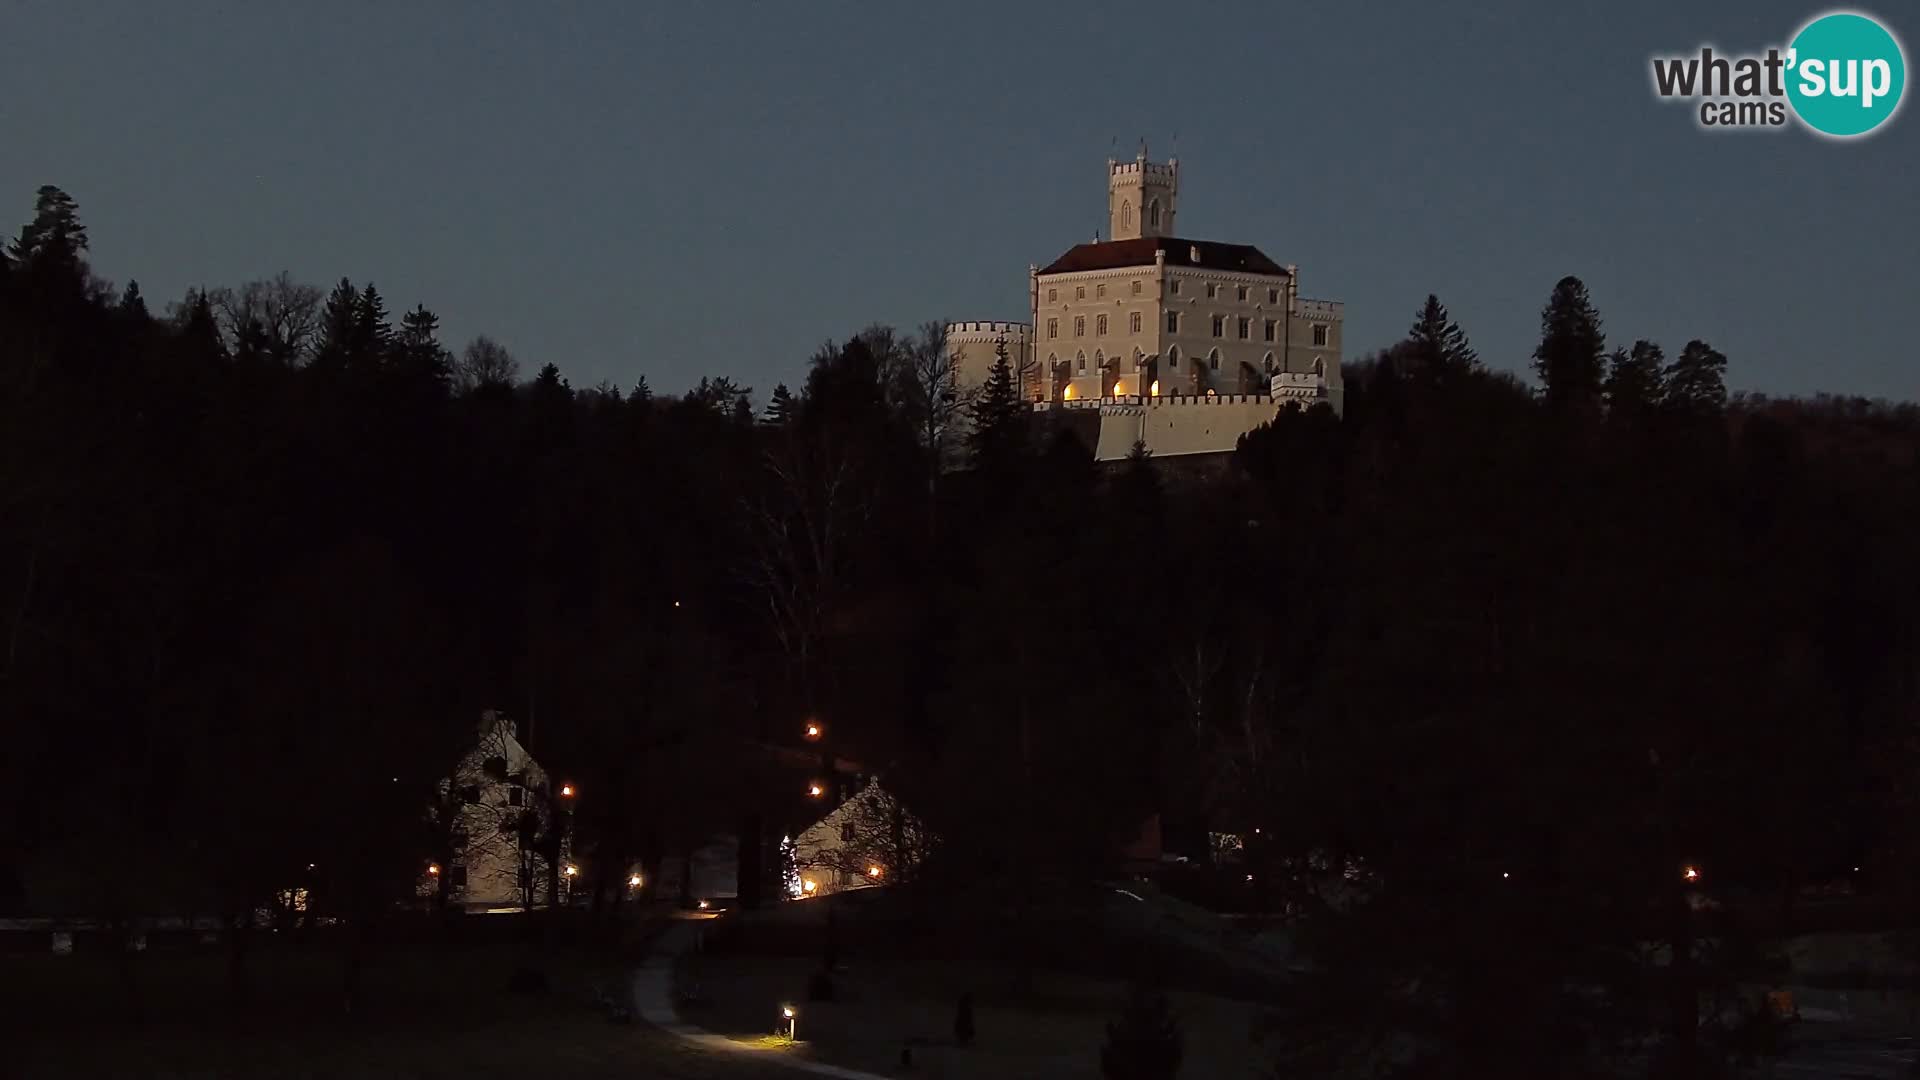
(653, 1003)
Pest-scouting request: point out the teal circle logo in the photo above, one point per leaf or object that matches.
(1845, 74)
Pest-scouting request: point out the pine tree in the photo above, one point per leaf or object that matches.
(1634, 379)
(418, 353)
(337, 322)
(999, 436)
(372, 331)
(780, 408)
(743, 411)
(53, 242)
(199, 330)
(1438, 347)
(642, 393)
(1696, 382)
(132, 306)
(1570, 357)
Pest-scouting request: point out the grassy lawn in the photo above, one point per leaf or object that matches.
(1054, 1029)
(429, 1011)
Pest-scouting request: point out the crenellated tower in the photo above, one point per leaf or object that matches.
(1141, 197)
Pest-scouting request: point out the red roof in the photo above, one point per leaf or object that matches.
(1115, 254)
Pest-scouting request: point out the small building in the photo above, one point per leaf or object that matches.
(871, 839)
(494, 814)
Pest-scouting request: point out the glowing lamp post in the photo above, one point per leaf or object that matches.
(433, 869)
(1691, 875)
(813, 730)
(703, 905)
(633, 881)
(815, 790)
(566, 791)
(792, 1018)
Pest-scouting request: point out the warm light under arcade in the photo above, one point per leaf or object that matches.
(1154, 390)
(1119, 388)
(1069, 394)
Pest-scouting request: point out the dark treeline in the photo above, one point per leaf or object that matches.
(1486, 665)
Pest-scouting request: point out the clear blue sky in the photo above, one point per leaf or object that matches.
(716, 188)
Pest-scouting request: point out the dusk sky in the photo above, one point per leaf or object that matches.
(686, 190)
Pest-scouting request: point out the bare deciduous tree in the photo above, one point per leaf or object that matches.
(286, 311)
(928, 387)
(485, 362)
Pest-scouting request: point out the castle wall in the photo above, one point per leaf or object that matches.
(1176, 427)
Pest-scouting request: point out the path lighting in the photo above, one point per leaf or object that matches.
(792, 1018)
(809, 886)
(434, 869)
(703, 905)
(566, 791)
(1691, 874)
(1504, 875)
(873, 872)
(634, 881)
(572, 870)
(813, 730)
(816, 790)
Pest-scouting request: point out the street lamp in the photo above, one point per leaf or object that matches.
(434, 869)
(873, 872)
(813, 729)
(1691, 874)
(792, 1018)
(816, 790)
(809, 886)
(566, 791)
(633, 881)
(572, 870)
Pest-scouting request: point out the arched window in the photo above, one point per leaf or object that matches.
(1099, 360)
(1153, 213)
(1213, 360)
(1082, 361)
(1126, 214)
(1320, 367)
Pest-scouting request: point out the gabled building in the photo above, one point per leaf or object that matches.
(494, 811)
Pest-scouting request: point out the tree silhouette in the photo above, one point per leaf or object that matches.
(1568, 359)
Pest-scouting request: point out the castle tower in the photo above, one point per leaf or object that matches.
(1141, 197)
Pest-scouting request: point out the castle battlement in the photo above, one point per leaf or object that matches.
(1332, 309)
(1016, 329)
(1117, 170)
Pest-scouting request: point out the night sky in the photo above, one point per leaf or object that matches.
(689, 189)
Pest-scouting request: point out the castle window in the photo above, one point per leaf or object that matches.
(1245, 327)
(1053, 328)
(1079, 326)
(1082, 361)
(1173, 286)
(1099, 290)
(1173, 322)
(1126, 215)
(846, 832)
(1273, 296)
(1136, 286)
(1268, 330)
(1133, 323)
(1100, 326)
(1213, 360)
(1052, 295)
(1319, 333)
(1219, 326)
(1213, 290)
(1319, 367)
(1080, 292)
(1153, 213)
(1243, 292)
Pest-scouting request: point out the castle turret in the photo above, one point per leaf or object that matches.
(1141, 197)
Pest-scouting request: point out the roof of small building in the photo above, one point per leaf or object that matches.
(1114, 254)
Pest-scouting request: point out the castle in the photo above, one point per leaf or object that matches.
(1183, 345)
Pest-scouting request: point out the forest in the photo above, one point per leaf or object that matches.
(1505, 655)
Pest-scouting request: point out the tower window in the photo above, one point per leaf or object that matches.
(1245, 327)
(1100, 326)
(1273, 296)
(1126, 215)
(1268, 330)
(1173, 286)
(1082, 361)
(1242, 292)
(1080, 292)
(1173, 322)
(1219, 326)
(1153, 213)
(1099, 290)
(1136, 286)
(1213, 361)
(1213, 290)
(1053, 328)
(1079, 326)
(1052, 295)
(1319, 333)
(1133, 323)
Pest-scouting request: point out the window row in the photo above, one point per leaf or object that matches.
(1242, 326)
(1241, 292)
